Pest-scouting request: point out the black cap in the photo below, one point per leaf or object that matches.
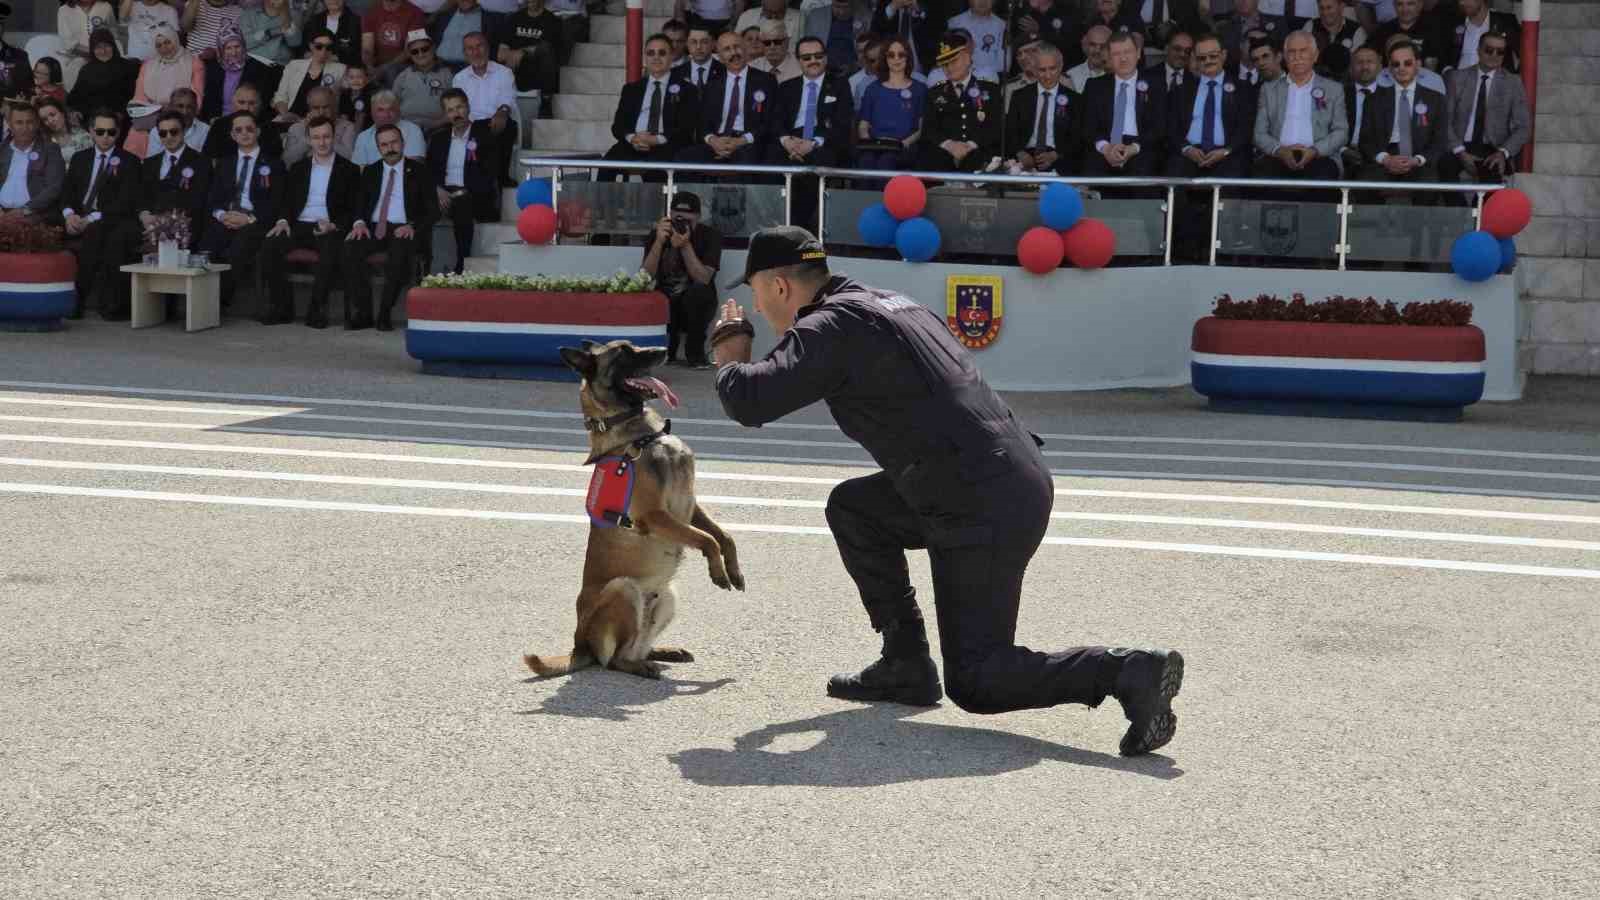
(683, 201)
(779, 246)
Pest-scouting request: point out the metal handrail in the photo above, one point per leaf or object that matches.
(1343, 207)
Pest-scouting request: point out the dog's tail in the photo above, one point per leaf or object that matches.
(558, 665)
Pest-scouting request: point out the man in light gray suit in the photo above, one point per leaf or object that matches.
(1300, 121)
(1489, 120)
(32, 168)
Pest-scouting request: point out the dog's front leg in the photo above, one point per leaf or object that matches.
(730, 553)
(660, 523)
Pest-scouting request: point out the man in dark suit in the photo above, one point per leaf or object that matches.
(396, 206)
(815, 123)
(918, 21)
(656, 117)
(462, 163)
(246, 99)
(318, 207)
(176, 176)
(964, 123)
(1171, 74)
(1123, 123)
(701, 64)
(1404, 132)
(1489, 119)
(1426, 30)
(1164, 18)
(1464, 32)
(1039, 122)
(1210, 124)
(246, 194)
(738, 111)
(98, 203)
(1365, 65)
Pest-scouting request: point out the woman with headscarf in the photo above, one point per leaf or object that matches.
(171, 67)
(107, 79)
(75, 21)
(270, 32)
(56, 124)
(142, 16)
(230, 69)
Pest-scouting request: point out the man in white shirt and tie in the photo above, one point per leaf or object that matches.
(99, 201)
(1403, 131)
(319, 206)
(175, 175)
(655, 116)
(1365, 64)
(701, 65)
(1489, 117)
(1039, 121)
(397, 207)
(246, 193)
(737, 115)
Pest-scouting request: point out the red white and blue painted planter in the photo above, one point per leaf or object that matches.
(520, 333)
(1347, 369)
(36, 290)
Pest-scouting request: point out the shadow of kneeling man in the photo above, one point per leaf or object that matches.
(876, 745)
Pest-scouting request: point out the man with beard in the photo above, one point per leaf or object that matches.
(737, 117)
(1365, 64)
(98, 205)
(815, 117)
(462, 164)
(396, 207)
(319, 205)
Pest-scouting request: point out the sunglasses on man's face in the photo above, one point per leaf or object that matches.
(813, 57)
(169, 132)
(419, 51)
(657, 53)
(106, 132)
(1491, 51)
(774, 42)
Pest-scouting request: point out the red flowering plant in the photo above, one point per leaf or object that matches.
(1343, 310)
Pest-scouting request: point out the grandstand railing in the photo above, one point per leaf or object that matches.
(1145, 225)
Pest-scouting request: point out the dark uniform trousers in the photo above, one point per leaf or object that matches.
(274, 271)
(102, 250)
(397, 269)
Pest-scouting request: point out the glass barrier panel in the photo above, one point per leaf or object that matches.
(981, 220)
(608, 207)
(736, 210)
(1286, 229)
(1396, 233)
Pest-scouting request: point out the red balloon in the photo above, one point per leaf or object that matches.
(1506, 212)
(1040, 250)
(905, 196)
(1090, 243)
(536, 224)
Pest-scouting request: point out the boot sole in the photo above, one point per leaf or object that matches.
(1159, 729)
(909, 696)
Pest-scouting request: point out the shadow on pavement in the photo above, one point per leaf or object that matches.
(596, 693)
(874, 745)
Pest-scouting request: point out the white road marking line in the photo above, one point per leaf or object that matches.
(1326, 464)
(722, 500)
(702, 473)
(542, 414)
(449, 512)
(371, 404)
(1164, 496)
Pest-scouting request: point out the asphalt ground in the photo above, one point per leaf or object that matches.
(264, 592)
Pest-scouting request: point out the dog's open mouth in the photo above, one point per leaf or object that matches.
(652, 388)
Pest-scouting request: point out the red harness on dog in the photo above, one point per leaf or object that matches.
(611, 485)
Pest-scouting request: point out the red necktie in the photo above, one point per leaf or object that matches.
(383, 206)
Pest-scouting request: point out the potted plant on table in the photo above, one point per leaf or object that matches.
(36, 276)
(497, 325)
(1343, 356)
(167, 235)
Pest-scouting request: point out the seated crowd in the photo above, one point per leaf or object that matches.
(289, 133)
(1326, 89)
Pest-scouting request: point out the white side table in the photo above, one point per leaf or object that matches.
(201, 289)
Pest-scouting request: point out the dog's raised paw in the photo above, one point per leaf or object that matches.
(720, 579)
(736, 578)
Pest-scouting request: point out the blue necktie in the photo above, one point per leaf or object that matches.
(1208, 130)
(809, 115)
(1119, 111)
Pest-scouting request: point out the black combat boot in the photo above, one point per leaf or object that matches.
(1146, 684)
(905, 673)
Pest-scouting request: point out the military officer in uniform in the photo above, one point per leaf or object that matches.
(962, 478)
(965, 115)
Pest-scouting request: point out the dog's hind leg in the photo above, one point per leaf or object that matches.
(660, 612)
(616, 631)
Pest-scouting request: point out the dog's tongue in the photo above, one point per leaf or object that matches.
(662, 389)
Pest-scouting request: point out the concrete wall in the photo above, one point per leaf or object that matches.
(1074, 330)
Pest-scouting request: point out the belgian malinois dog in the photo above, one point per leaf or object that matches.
(627, 598)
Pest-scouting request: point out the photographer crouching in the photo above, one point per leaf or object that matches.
(683, 256)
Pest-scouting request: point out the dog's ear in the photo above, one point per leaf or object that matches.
(580, 361)
(589, 345)
(647, 357)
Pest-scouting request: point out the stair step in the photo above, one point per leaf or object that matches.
(1568, 42)
(614, 29)
(592, 80)
(1558, 158)
(1553, 236)
(596, 55)
(1568, 70)
(1565, 129)
(1560, 195)
(588, 137)
(1553, 278)
(589, 107)
(1566, 100)
(1561, 16)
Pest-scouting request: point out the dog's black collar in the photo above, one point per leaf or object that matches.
(633, 448)
(609, 422)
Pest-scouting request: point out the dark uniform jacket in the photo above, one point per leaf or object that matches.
(1060, 25)
(975, 114)
(1429, 125)
(118, 193)
(178, 191)
(341, 200)
(896, 381)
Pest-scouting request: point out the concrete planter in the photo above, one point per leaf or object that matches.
(1363, 371)
(518, 334)
(36, 290)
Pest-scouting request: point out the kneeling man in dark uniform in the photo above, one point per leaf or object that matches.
(962, 478)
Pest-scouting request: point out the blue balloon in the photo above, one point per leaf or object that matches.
(917, 239)
(1508, 255)
(1060, 206)
(877, 226)
(535, 191)
(1475, 256)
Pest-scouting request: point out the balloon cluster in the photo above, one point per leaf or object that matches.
(1477, 255)
(1065, 234)
(898, 221)
(536, 224)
